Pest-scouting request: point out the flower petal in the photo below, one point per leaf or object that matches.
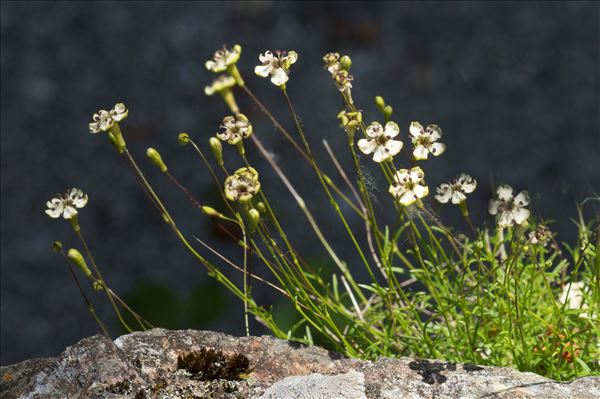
(393, 147)
(279, 77)
(435, 132)
(367, 146)
(467, 183)
(437, 148)
(421, 191)
(522, 199)
(391, 129)
(374, 130)
(416, 174)
(444, 193)
(505, 192)
(263, 70)
(506, 219)
(416, 129)
(408, 198)
(266, 58)
(381, 154)
(292, 56)
(493, 207)
(458, 197)
(69, 212)
(401, 176)
(520, 215)
(420, 152)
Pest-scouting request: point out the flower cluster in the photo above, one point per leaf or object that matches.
(66, 204)
(350, 121)
(242, 185)
(510, 210)
(456, 190)
(104, 120)
(235, 128)
(380, 141)
(223, 59)
(407, 188)
(276, 65)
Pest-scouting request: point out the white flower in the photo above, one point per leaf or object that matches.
(219, 84)
(278, 65)
(541, 235)
(424, 140)
(235, 129)
(456, 190)
(119, 112)
(332, 62)
(509, 210)
(66, 204)
(223, 58)
(406, 188)
(380, 141)
(242, 185)
(104, 120)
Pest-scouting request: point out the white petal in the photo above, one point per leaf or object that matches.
(493, 207)
(374, 130)
(69, 212)
(435, 132)
(437, 148)
(80, 201)
(396, 190)
(443, 196)
(416, 129)
(458, 197)
(401, 176)
(421, 191)
(416, 174)
(94, 127)
(522, 199)
(520, 215)
(506, 219)
(55, 209)
(381, 154)
(393, 147)
(467, 183)
(263, 70)
(391, 129)
(279, 77)
(408, 198)
(267, 57)
(420, 152)
(367, 146)
(505, 192)
(292, 57)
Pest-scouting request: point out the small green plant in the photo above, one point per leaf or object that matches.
(505, 296)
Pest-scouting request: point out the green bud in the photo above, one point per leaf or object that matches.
(261, 207)
(57, 246)
(156, 159)
(183, 138)
(217, 149)
(253, 218)
(97, 286)
(113, 140)
(387, 112)
(379, 102)
(207, 210)
(76, 257)
(346, 62)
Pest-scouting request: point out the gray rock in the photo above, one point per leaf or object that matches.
(155, 364)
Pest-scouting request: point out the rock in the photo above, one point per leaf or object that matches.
(203, 364)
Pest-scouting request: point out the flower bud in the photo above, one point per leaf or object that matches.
(217, 149)
(346, 62)
(57, 246)
(156, 159)
(261, 207)
(76, 257)
(387, 112)
(97, 286)
(183, 138)
(253, 218)
(379, 102)
(207, 210)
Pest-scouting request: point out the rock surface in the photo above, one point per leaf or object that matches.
(158, 364)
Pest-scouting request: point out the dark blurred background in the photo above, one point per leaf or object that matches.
(513, 85)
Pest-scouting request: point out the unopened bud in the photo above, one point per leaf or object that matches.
(57, 246)
(379, 102)
(207, 210)
(97, 286)
(76, 257)
(254, 217)
(346, 62)
(261, 207)
(156, 159)
(387, 112)
(183, 138)
(217, 149)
